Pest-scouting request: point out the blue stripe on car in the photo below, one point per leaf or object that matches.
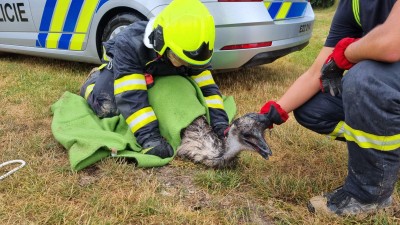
(63, 43)
(72, 16)
(100, 4)
(274, 9)
(297, 9)
(41, 42)
(47, 15)
(70, 23)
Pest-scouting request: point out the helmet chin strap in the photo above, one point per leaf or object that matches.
(147, 32)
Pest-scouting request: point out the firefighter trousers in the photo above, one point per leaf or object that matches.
(367, 117)
(98, 90)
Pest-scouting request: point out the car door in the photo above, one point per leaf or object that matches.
(63, 24)
(16, 23)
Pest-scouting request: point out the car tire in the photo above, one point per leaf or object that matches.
(118, 23)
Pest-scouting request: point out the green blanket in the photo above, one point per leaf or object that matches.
(176, 100)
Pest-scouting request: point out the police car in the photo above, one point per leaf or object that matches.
(248, 32)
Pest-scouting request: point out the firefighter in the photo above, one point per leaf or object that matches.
(361, 107)
(178, 41)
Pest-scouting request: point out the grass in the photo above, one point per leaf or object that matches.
(257, 191)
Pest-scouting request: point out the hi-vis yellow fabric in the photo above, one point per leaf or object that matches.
(364, 139)
(176, 101)
(356, 11)
(203, 79)
(186, 25)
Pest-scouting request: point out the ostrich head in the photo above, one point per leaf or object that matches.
(201, 145)
(247, 132)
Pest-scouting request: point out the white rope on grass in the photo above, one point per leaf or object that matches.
(22, 162)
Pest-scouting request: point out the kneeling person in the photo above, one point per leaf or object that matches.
(179, 41)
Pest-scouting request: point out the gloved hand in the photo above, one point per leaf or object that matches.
(331, 78)
(158, 146)
(334, 67)
(272, 113)
(338, 53)
(220, 129)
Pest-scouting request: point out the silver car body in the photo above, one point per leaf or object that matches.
(68, 29)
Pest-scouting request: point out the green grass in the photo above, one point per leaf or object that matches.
(257, 191)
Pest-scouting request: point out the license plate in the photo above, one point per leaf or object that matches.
(305, 27)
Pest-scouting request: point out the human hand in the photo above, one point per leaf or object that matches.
(331, 78)
(334, 67)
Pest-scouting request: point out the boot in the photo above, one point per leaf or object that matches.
(340, 202)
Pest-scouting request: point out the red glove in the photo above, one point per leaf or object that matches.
(273, 113)
(334, 66)
(338, 54)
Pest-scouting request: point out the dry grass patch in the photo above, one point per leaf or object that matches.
(113, 191)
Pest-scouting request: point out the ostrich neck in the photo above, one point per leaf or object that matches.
(232, 148)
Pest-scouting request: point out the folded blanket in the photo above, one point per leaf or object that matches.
(176, 100)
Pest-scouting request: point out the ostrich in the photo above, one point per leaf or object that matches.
(201, 145)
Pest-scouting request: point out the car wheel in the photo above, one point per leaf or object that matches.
(118, 23)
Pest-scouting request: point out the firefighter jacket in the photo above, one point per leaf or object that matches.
(131, 60)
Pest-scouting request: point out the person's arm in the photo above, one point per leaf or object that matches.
(218, 117)
(381, 44)
(306, 86)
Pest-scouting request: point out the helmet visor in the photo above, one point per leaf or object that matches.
(176, 61)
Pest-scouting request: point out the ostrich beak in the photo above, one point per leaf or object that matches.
(260, 145)
(263, 148)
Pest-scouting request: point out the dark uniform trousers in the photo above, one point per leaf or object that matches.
(367, 117)
(100, 97)
(98, 90)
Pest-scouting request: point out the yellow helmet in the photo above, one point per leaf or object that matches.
(187, 28)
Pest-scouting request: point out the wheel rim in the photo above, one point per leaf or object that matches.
(116, 31)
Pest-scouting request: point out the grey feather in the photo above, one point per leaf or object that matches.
(201, 145)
